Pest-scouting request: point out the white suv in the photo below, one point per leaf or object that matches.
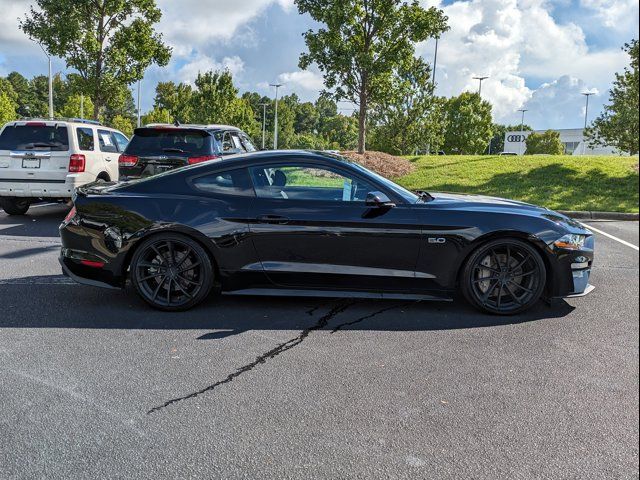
(47, 159)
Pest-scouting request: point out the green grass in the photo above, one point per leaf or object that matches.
(595, 183)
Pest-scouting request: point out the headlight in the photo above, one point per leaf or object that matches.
(571, 241)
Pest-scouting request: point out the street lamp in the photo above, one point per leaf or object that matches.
(435, 64)
(138, 104)
(522, 129)
(50, 83)
(275, 122)
(586, 116)
(264, 121)
(480, 79)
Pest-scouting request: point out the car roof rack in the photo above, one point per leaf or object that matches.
(61, 119)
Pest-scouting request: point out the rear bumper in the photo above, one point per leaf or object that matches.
(68, 272)
(41, 188)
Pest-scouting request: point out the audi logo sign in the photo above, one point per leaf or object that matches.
(516, 138)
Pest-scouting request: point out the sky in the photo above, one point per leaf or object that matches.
(539, 55)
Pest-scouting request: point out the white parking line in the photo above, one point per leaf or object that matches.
(612, 237)
(45, 205)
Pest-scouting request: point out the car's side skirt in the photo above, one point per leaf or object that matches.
(295, 292)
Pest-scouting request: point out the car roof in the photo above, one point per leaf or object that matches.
(212, 126)
(252, 158)
(59, 121)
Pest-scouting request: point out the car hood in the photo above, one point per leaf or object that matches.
(483, 203)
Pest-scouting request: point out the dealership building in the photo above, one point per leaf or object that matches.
(572, 138)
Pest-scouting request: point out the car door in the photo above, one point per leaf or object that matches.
(311, 228)
(109, 149)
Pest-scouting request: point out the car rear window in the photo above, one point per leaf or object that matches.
(34, 137)
(151, 141)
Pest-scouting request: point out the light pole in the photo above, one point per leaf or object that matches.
(522, 129)
(264, 121)
(138, 108)
(435, 64)
(480, 79)
(586, 117)
(50, 83)
(275, 122)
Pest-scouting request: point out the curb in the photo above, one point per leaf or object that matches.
(584, 215)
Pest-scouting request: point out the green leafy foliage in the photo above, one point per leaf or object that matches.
(361, 42)
(546, 143)
(618, 125)
(8, 101)
(110, 43)
(76, 106)
(469, 124)
(122, 123)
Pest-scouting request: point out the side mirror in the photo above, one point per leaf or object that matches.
(378, 200)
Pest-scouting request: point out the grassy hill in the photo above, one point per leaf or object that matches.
(561, 182)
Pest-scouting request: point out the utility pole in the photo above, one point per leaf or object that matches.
(138, 108)
(522, 129)
(481, 79)
(586, 118)
(264, 121)
(82, 106)
(435, 64)
(275, 122)
(50, 83)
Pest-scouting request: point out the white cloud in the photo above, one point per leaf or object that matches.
(305, 79)
(615, 14)
(200, 63)
(513, 42)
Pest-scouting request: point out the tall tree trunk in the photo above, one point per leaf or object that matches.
(362, 122)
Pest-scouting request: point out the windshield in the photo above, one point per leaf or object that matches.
(410, 197)
(153, 141)
(34, 137)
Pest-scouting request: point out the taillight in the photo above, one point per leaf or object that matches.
(76, 163)
(127, 160)
(203, 158)
(91, 263)
(70, 215)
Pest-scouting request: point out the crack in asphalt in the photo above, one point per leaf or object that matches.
(371, 315)
(274, 352)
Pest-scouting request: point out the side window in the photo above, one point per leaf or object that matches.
(246, 142)
(227, 143)
(85, 138)
(303, 182)
(121, 141)
(237, 144)
(106, 142)
(231, 182)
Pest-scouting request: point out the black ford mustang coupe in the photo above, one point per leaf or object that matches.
(316, 224)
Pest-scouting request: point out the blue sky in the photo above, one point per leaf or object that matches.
(540, 55)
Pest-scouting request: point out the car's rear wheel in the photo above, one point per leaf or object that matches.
(504, 277)
(171, 272)
(15, 206)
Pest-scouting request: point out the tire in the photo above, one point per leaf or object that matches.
(504, 277)
(171, 272)
(15, 206)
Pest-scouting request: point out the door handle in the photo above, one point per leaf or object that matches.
(108, 159)
(276, 219)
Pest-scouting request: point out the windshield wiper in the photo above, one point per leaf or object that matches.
(173, 150)
(425, 196)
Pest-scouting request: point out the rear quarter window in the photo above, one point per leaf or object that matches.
(231, 182)
(35, 137)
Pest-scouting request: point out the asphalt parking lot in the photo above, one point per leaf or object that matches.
(94, 384)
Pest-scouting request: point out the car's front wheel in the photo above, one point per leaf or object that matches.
(504, 277)
(15, 206)
(171, 272)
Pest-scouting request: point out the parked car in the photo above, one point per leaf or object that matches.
(156, 148)
(507, 154)
(47, 159)
(310, 223)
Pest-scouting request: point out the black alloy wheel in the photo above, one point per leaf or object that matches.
(504, 277)
(171, 272)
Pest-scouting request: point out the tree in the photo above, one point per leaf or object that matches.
(110, 43)
(496, 144)
(8, 102)
(176, 99)
(124, 124)
(547, 143)
(157, 115)
(618, 124)
(340, 132)
(469, 124)
(76, 106)
(361, 43)
(409, 118)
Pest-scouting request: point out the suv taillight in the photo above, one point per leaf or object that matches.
(76, 163)
(127, 160)
(203, 158)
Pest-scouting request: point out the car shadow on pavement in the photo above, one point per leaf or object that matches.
(63, 304)
(38, 222)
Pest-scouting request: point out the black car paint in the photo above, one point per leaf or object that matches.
(411, 248)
